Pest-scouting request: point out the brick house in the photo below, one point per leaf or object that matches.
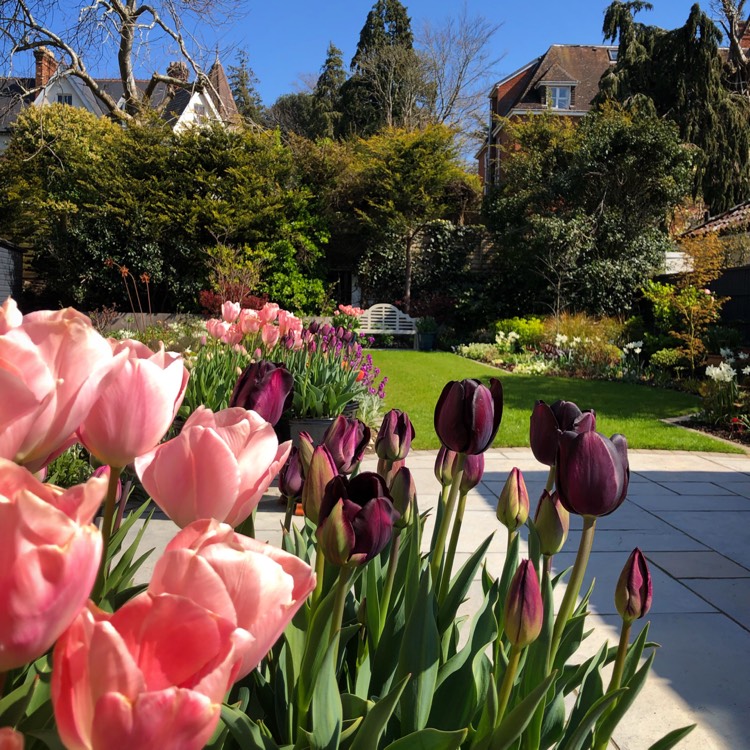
(563, 81)
(51, 84)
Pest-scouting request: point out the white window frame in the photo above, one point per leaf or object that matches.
(65, 99)
(559, 97)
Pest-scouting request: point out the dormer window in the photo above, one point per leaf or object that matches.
(65, 99)
(612, 55)
(558, 97)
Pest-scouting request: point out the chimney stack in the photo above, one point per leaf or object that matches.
(744, 27)
(46, 66)
(178, 70)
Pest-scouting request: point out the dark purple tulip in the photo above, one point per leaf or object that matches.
(468, 414)
(592, 472)
(473, 472)
(314, 326)
(291, 477)
(524, 610)
(444, 464)
(548, 422)
(356, 519)
(266, 388)
(634, 588)
(347, 439)
(394, 437)
(404, 494)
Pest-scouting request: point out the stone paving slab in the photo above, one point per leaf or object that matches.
(679, 503)
(729, 595)
(700, 564)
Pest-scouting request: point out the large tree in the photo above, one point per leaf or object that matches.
(409, 179)
(244, 82)
(388, 86)
(681, 75)
(81, 34)
(580, 216)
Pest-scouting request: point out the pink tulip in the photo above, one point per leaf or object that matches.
(10, 315)
(230, 311)
(151, 676)
(51, 366)
(249, 321)
(49, 557)
(288, 322)
(269, 334)
(269, 312)
(137, 403)
(218, 467)
(216, 328)
(256, 586)
(10, 739)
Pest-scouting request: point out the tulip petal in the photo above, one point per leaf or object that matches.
(336, 536)
(373, 528)
(450, 426)
(544, 434)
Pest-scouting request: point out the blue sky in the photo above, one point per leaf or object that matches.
(288, 39)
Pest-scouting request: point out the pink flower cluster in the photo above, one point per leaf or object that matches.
(217, 601)
(269, 324)
(355, 312)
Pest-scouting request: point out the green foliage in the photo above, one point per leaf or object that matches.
(530, 330)
(666, 359)
(680, 74)
(91, 197)
(243, 82)
(579, 218)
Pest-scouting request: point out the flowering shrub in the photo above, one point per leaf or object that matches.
(347, 317)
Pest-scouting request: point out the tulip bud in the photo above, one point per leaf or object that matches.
(356, 519)
(265, 387)
(634, 588)
(552, 523)
(592, 473)
(444, 465)
(306, 447)
(10, 739)
(347, 440)
(404, 493)
(513, 503)
(394, 437)
(314, 326)
(388, 469)
(291, 479)
(548, 422)
(322, 470)
(473, 472)
(524, 610)
(468, 414)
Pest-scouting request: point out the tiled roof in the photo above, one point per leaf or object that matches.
(581, 65)
(734, 219)
(221, 93)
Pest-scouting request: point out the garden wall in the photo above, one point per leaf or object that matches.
(11, 270)
(734, 283)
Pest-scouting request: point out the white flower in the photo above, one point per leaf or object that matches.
(722, 373)
(561, 338)
(725, 352)
(638, 350)
(746, 370)
(576, 339)
(742, 355)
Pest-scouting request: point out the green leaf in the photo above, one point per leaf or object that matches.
(245, 731)
(633, 657)
(419, 657)
(517, 720)
(459, 586)
(578, 737)
(430, 739)
(319, 632)
(509, 569)
(553, 724)
(669, 740)
(327, 715)
(590, 692)
(377, 719)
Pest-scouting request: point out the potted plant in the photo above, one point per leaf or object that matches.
(426, 334)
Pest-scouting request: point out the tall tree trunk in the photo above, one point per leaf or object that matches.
(407, 274)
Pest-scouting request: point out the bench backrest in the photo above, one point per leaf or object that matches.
(385, 318)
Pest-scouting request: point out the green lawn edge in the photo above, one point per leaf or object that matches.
(415, 380)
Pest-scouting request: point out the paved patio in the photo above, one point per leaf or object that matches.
(690, 515)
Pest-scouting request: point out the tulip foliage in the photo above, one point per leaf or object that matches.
(349, 635)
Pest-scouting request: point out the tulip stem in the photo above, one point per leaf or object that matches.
(320, 569)
(452, 547)
(3, 675)
(388, 587)
(574, 586)
(550, 479)
(509, 677)
(600, 743)
(342, 589)
(437, 553)
(109, 514)
(123, 502)
(291, 503)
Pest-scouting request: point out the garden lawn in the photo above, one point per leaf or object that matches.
(416, 379)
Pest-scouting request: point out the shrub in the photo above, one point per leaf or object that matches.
(479, 352)
(666, 359)
(530, 330)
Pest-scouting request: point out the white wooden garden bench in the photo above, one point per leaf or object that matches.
(386, 319)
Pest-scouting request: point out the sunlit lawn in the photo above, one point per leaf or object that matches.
(415, 380)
